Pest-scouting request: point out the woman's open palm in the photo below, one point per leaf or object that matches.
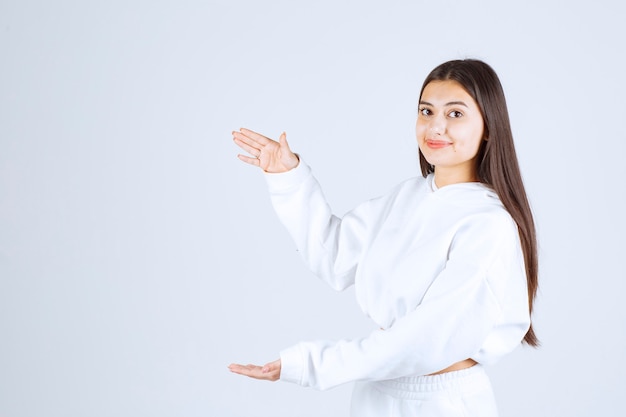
(267, 154)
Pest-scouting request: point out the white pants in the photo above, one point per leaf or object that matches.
(465, 393)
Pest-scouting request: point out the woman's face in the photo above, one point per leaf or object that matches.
(449, 130)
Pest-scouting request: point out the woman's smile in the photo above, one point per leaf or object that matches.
(437, 144)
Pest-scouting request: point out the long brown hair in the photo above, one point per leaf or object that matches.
(497, 164)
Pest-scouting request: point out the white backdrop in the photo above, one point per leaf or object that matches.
(139, 257)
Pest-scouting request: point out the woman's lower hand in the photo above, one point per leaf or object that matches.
(268, 372)
(267, 154)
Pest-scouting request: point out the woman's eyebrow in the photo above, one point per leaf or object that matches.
(451, 103)
(456, 103)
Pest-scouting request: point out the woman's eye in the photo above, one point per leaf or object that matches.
(424, 111)
(455, 113)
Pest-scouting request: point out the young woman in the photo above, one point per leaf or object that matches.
(445, 265)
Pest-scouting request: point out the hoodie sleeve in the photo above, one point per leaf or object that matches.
(330, 246)
(455, 319)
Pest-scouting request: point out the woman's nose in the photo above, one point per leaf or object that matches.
(437, 126)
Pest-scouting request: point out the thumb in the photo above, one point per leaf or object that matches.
(283, 140)
(289, 159)
(271, 366)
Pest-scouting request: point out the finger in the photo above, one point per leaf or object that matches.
(246, 146)
(249, 160)
(246, 143)
(247, 370)
(251, 371)
(257, 137)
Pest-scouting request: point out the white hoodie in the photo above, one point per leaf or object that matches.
(441, 270)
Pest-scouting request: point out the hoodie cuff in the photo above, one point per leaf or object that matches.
(292, 364)
(284, 181)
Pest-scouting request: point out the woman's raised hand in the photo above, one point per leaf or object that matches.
(267, 154)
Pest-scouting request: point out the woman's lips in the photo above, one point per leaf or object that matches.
(437, 144)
